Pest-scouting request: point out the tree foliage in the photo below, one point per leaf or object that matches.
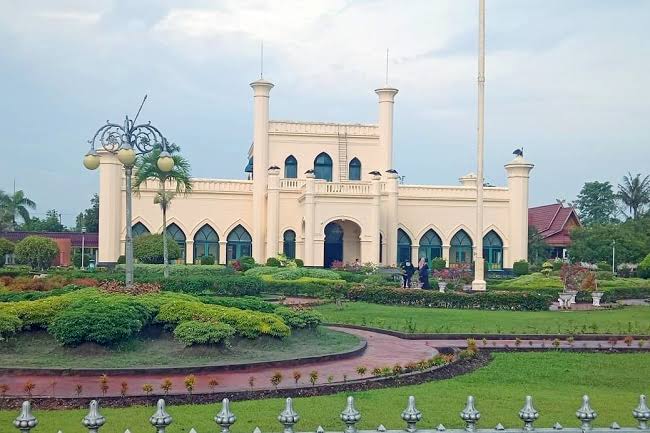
(594, 243)
(537, 247)
(149, 248)
(14, 206)
(634, 193)
(51, 223)
(36, 251)
(6, 247)
(90, 217)
(596, 203)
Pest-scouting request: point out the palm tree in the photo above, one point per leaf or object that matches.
(634, 193)
(15, 205)
(146, 168)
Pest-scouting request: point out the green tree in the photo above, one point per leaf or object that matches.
(36, 251)
(6, 247)
(90, 217)
(149, 249)
(634, 193)
(596, 203)
(537, 247)
(179, 181)
(16, 205)
(51, 223)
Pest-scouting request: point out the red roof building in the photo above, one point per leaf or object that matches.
(554, 223)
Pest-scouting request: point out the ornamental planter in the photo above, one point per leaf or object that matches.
(565, 300)
(596, 297)
(573, 296)
(442, 285)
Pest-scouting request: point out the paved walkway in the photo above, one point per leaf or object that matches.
(382, 351)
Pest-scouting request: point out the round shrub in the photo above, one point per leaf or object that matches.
(604, 266)
(149, 248)
(520, 268)
(36, 251)
(195, 332)
(121, 259)
(299, 262)
(9, 324)
(6, 247)
(438, 263)
(101, 320)
(273, 262)
(246, 263)
(644, 267)
(207, 260)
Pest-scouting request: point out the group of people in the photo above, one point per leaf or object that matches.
(423, 271)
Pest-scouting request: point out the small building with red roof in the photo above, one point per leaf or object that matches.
(554, 223)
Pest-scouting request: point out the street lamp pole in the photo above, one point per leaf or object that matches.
(614, 257)
(127, 142)
(83, 245)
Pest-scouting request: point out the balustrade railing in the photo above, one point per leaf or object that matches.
(289, 184)
(351, 188)
(350, 416)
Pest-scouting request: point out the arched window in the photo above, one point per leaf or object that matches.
(206, 243)
(289, 244)
(139, 229)
(493, 250)
(290, 167)
(403, 247)
(177, 234)
(323, 167)
(461, 248)
(239, 244)
(354, 171)
(430, 246)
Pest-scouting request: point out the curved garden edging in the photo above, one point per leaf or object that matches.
(464, 336)
(447, 371)
(217, 368)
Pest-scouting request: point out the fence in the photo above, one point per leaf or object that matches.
(350, 416)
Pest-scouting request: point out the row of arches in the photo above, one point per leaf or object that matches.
(206, 241)
(322, 167)
(460, 248)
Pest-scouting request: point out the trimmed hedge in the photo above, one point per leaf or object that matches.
(222, 285)
(304, 287)
(195, 332)
(521, 301)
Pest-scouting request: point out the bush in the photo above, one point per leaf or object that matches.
(10, 323)
(273, 262)
(438, 263)
(303, 286)
(6, 247)
(76, 259)
(605, 275)
(102, 320)
(299, 262)
(149, 248)
(520, 268)
(207, 260)
(121, 259)
(36, 251)
(195, 332)
(242, 285)
(644, 267)
(521, 301)
(604, 266)
(296, 273)
(246, 263)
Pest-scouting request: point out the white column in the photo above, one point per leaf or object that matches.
(310, 211)
(110, 208)
(222, 251)
(386, 105)
(261, 91)
(518, 171)
(391, 218)
(372, 254)
(273, 212)
(189, 251)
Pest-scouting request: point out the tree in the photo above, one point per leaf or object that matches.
(634, 193)
(16, 205)
(36, 251)
(90, 217)
(51, 223)
(596, 203)
(149, 249)
(146, 168)
(537, 247)
(6, 247)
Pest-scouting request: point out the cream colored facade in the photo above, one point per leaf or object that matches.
(370, 214)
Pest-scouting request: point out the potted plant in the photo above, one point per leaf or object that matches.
(572, 275)
(590, 285)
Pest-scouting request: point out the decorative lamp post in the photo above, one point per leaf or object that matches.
(83, 245)
(128, 141)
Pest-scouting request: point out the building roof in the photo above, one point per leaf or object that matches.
(553, 222)
(91, 240)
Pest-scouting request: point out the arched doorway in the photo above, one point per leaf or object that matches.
(493, 251)
(342, 242)
(239, 244)
(430, 246)
(178, 236)
(206, 243)
(289, 244)
(461, 248)
(403, 247)
(139, 229)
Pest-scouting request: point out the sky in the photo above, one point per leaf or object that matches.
(565, 79)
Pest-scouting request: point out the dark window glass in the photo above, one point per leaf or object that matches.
(354, 172)
(323, 167)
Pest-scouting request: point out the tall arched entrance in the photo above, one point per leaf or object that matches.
(342, 243)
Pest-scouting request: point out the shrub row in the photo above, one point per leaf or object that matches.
(218, 285)
(293, 273)
(522, 301)
(304, 287)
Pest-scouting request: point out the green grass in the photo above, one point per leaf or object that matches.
(555, 380)
(39, 349)
(628, 320)
(538, 281)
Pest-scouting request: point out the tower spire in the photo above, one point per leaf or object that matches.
(261, 60)
(386, 67)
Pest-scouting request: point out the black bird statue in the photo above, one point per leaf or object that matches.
(310, 171)
(375, 173)
(391, 170)
(519, 152)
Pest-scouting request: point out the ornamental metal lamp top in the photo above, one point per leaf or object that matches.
(25, 421)
(288, 417)
(350, 416)
(470, 415)
(160, 419)
(642, 413)
(411, 415)
(94, 420)
(586, 414)
(225, 418)
(528, 414)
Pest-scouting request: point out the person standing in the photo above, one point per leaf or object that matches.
(423, 266)
(407, 273)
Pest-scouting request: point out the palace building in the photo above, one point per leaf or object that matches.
(323, 192)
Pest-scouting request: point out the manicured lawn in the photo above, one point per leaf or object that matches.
(538, 281)
(555, 380)
(628, 320)
(39, 349)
